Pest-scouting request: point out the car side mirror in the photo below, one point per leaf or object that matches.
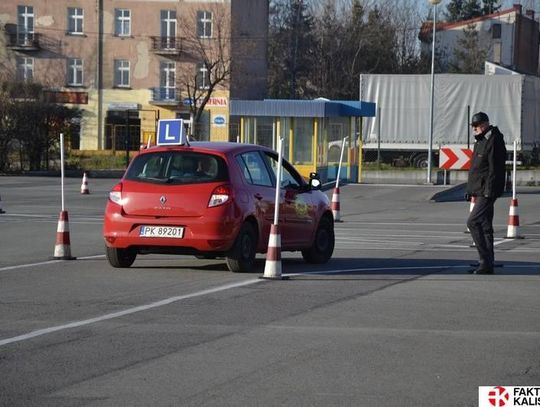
(314, 181)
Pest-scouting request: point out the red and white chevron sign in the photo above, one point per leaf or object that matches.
(455, 158)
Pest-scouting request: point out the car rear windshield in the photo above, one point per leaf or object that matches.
(178, 167)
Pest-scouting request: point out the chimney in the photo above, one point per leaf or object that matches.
(517, 7)
(530, 14)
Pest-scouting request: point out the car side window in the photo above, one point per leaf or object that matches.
(253, 169)
(289, 177)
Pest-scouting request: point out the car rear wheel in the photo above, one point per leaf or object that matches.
(120, 258)
(241, 257)
(323, 244)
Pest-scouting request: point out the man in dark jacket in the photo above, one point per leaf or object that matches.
(486, 183)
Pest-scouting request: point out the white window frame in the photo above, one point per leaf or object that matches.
(204, 24)
(168, 23)
(25, 69)
(122, 22)
(75, 72)
(121, 73)
(202, 76)
(75, 20)
(25, 24)
(167, 80)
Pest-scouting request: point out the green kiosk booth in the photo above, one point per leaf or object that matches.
(312, 130)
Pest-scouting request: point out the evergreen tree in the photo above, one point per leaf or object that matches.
(458, 10)
(290, 49)
(454, 11)
(490, 6)
(471, 9)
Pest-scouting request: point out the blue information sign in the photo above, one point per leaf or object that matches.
(171, 132)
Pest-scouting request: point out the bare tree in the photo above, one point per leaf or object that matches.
(206, 61)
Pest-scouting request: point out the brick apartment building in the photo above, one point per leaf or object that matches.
(127, 63)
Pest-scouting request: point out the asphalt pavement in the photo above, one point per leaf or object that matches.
(394, 319)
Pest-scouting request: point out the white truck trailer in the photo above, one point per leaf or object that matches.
(400, 131)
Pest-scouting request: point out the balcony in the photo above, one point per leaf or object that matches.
(164, 97)
(167, 45)
(24, 41)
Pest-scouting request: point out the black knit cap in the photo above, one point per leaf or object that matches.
(478, 118)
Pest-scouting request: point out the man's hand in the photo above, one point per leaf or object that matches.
(467, 197)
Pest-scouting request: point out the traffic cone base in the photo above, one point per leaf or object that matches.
(335, 205)
(272, 267)
(84, 185)
(62, 248)
(513, 221)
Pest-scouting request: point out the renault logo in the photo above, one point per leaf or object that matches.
(162, 199)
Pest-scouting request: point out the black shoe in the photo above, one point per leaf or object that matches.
(484, 270)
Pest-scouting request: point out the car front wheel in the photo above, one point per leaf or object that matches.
(241, 257)
(323, 244)
(120, 258)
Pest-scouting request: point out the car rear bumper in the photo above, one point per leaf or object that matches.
(212, 233)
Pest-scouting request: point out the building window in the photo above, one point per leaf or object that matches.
(168, 28)
(303, 141)
(204, 24)
(25, 69)
(167, 81)
(121, 73)
(122, 22)
(25, 25)
(75, 20)
(74, 72)
(203, 76)
(496, 31)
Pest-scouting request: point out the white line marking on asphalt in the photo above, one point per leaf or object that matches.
(125, 312)
(42, 263)
(171, 300)
(21, 266)
(377, 269)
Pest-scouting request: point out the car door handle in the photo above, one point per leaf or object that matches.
(258, 196)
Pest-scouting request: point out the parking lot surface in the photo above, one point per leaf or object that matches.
(394, 319)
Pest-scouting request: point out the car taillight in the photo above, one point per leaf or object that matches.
(220, 195)
(116, 194)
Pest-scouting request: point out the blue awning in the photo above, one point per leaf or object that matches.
(302, 108)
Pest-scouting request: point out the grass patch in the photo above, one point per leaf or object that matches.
(96, 162)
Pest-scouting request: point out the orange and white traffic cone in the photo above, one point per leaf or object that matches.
(272, 267)
(335, 205)
(1, 210)
(513, 220)
(84, 185)
(471, 207)
(62, 248)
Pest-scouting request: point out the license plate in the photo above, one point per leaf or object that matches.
(162, 231)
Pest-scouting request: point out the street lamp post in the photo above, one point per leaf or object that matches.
(434, 3)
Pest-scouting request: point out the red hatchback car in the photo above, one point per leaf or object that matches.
(214, 200)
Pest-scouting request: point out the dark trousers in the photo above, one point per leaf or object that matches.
(480, 224)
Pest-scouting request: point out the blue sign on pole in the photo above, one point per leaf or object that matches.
(171, 132)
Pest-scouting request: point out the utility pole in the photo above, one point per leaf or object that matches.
(99, 75)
